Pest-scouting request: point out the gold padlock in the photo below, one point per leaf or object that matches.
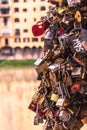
(54, 97)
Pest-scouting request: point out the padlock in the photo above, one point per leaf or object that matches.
(67, 79)
(49, 35)
(36, 120)
(38, 61)
(76, 72)
(32, 106)
(54, 97)
(64, 115)
(62, 10)
(63, 41)
(47, 112)
(60, 102)
(42, 68)
(37, 116)
(40, 120)
(35, 96)
(54, 67)
(73, 2)
(40, 99)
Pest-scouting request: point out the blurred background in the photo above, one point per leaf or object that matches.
(18, 51)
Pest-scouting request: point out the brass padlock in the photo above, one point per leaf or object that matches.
(47, 112)
(41, 100)
(54, 97)
(68, 80)
(42, 68)
(35, 96)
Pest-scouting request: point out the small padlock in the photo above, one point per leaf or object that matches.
(32, 106)
(54, 97)
(68, 79)
(77, 72)
(40, 120)
(60, 102)
(36, 120)
(36, 117)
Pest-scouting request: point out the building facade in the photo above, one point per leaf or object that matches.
(16, 20)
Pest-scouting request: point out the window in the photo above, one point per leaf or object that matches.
(34, 39)
(34, 19)
(16, 20)
(25, 30)
(5, 20)
(25, 20)
(34, 9)
(16, 9)
(24, 10)
(25, 0)
(42, 8)
(16, 0)
(5, 2)
(42, 39)
(17, 40)
(17, 32)
(26, 39)
(5, 10)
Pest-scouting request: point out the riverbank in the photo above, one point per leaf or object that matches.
(16, 63)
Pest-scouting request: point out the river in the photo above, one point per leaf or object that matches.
(17, 86)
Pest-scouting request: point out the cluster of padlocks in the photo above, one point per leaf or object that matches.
(60, 101)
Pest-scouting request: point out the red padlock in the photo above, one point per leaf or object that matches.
(39, 28)
(75, 87)
(32, 106)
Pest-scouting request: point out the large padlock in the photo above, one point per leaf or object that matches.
(54, 97)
